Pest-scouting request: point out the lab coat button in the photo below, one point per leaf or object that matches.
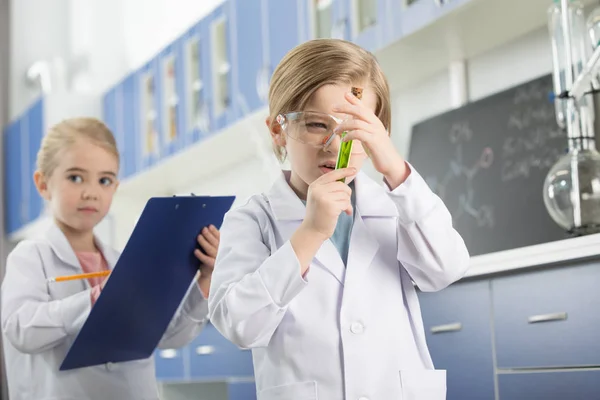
(109, 366)
(357, 328)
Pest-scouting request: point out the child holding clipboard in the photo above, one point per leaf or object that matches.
(316, 275)
(77, 168)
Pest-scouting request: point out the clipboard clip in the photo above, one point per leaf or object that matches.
(191, 194)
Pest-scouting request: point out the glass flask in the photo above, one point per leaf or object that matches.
(572, 191)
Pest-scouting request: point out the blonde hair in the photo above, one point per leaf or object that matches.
(66, 133)
(319, 62)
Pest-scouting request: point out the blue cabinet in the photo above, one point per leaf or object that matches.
(22, 140)
(170, 90)
(109, 109)
(130, 111)
(341, 10)
(119, 121)
(410, 16)
(194, 97)
(13, 178)
(241, 391)
(572, 385)
(251, 58)
(149, 138)
(546, 319)
(368, 22)
(457, 325)
(170, 365)
(214, 357)
(288, 24)
(35, 133)
(222, 55)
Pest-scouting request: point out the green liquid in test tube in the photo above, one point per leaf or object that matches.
(343, 158)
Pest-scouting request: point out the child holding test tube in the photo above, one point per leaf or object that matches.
(316, 275)
(77, 168)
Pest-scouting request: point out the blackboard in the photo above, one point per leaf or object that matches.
(488, 161)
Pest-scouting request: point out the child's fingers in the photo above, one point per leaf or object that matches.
(335, 175)
(215, 231)
(210, 237)
(203, 258)
(206, 245)
(360, 135)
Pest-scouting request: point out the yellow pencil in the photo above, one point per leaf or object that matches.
(79, 276)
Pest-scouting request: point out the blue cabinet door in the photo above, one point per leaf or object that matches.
(195, 101)
(287, 27)
(169, 94)
(109, 110)
(341, 10)
(149, 137)
(571, 385)
(457, 324)
(170, 364)
(368, 22)
(35, 133)
(120, 118)
(214, 357)
(408, 18)
(223, 65)
(13, 177)
(130, 96)
(252, 67)
(241, 391)
(545, 319)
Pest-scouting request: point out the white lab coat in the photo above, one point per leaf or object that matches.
(40, 322)
(340, 333)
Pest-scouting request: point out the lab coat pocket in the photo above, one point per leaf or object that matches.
(293, 391)
(423, 384)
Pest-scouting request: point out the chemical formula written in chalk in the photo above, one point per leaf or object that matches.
(456, 188)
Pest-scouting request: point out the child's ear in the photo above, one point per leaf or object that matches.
(41, 185)
(276, 132)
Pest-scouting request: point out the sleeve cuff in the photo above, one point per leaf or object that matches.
(413, 198)
(75, 310)
(195, 306)
(281, 276)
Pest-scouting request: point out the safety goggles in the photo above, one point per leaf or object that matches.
(313, 128)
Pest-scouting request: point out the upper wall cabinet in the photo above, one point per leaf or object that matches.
(368, 19)
(409, 16)
(289, 26)
(252, 62)
(150, 140)
(196, 73)
(130, 124)
(22, 139)
(222, 55)
(170, 85)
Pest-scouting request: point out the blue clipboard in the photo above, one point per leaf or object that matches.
(148, 283)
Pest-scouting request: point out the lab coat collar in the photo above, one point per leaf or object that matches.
(372, 200)
(63, 250)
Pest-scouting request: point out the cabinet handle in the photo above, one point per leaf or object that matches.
(168, 353)
(204, 350)
(457, 326)
(560, 316)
